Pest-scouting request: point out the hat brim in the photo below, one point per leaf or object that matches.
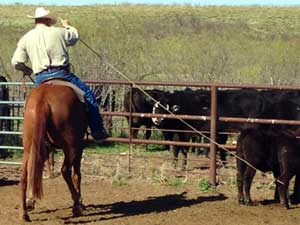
(53, 19)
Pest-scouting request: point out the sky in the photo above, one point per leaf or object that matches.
(160, 2)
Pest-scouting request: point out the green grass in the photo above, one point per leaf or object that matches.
(207, 44)
(11, 154)
(106, 149)
(120, 180)
(259, 45)
(205, 186)
(90, 149)
(176, 183)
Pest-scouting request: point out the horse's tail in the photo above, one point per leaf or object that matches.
(37, 151)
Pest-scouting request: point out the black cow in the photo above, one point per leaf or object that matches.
(4, 108)
(182, 102)
(246, 103)
(141, 103)
(289, 158)
(255, 148)
(272, 148)
(278, 153)
(4, 111)
(286, 106)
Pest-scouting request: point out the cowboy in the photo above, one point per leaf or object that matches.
(46, 47)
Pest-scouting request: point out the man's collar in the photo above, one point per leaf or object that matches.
(38, 25)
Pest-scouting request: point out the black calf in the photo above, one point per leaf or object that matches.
(268, 152)
(288, 151)
(141, 104)
(255, 148)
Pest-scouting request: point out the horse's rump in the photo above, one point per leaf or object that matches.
(54, 113)
(63, 111)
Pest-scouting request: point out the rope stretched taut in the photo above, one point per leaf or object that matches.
(157, 102)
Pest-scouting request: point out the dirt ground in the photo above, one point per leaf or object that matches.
(145, 198)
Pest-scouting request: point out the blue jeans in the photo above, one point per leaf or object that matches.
(95, 120)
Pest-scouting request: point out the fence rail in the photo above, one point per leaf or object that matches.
(18, 91)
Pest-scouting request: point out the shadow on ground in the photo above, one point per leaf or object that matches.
(134, 208)
(6, 182)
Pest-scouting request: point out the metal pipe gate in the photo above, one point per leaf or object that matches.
(18, 92)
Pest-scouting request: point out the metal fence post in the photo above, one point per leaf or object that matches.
(213, 131)
(130, 130)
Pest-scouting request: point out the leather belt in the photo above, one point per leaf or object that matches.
(55, 68)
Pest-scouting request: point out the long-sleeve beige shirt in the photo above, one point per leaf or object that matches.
(45, 46)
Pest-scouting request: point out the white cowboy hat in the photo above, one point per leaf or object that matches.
(41, 12)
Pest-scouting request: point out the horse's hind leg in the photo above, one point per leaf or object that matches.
(23, 186)
(50, 161)
(66, 171)
(77, 174)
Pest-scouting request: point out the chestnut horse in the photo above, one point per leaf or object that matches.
(53, 113)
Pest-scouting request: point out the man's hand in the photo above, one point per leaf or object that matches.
(64, 22)
(27, 71)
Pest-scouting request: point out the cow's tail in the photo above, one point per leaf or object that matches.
(37, 151)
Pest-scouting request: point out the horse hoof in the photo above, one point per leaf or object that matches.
(276, 199)
(30, 204)
(286, 206)
(241, 201)
(294, 199)
(248, 202)
(25, 218)
(77, 210)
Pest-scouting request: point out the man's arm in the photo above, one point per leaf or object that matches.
(20, 57)
(71, 33)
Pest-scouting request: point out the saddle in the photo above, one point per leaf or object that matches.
(80, 94)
